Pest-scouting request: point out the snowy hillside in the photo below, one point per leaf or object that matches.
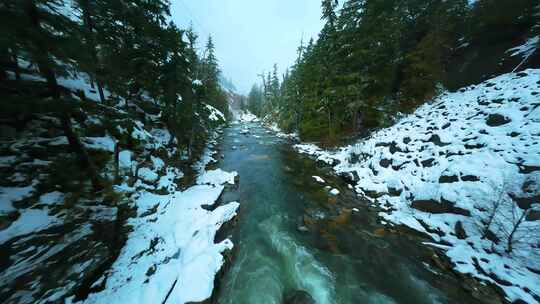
(145, 232)
(464, 169)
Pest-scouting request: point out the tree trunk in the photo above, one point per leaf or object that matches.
(329, 124)
(77, 147)
(87, 17)
(43, 66)
(510, 241)
(100, 90)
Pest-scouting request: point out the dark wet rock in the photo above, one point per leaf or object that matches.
(354, 158)
(350, 177)
(490, 235)
(446, 179)
(495, 120)
(435, 139)
(435, 207)
(373, 194)
(428, 162)
(394, 191)
(406, 140)
(460, 231)
(385, 163)
(298, 297)
(394, 148)
(474, 146)
(525, 202)
(470, 178)
(485, 293)
(524, 169)
(7, 219)
(533, 215)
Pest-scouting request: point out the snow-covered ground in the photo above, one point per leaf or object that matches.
(464, 169)
(170, 252)
(246, 116)
(171, 255)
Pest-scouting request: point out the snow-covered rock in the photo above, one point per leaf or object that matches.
(319, 179)
(247, 117)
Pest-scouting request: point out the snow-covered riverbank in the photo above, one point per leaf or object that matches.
(464, 169)
(171, 252)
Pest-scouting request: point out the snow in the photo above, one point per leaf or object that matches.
(9, 195)
(465, 151)
(334, 192)
(176, 246)
(105, 143)
(170, 253)
(30, 220)
(59, 141)
(526, 49)
(246, 116)
(51, 198)
(279, 133)
(81, 82)
(158, 163)
(124, 159)
(161, 136)
(215, 114)
(148, 175)
(319, 179)
(140, 133)
(217, 177)
(6, 161)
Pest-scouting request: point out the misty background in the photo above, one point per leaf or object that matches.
(250, 36)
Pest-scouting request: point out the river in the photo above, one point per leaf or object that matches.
(344, 256)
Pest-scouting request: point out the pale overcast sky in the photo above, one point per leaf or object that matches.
(251, 35)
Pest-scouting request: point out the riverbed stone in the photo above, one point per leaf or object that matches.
(495, 120)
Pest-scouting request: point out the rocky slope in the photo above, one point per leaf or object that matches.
(465, 170)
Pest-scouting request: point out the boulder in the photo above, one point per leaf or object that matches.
(525, 202)
(447, 179)
(533, 215)
(350, 177)
(495, 120)
(385, 163)
(436, 140)
(436, 207)
(393, 191)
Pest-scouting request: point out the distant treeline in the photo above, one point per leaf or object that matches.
(376, 58)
